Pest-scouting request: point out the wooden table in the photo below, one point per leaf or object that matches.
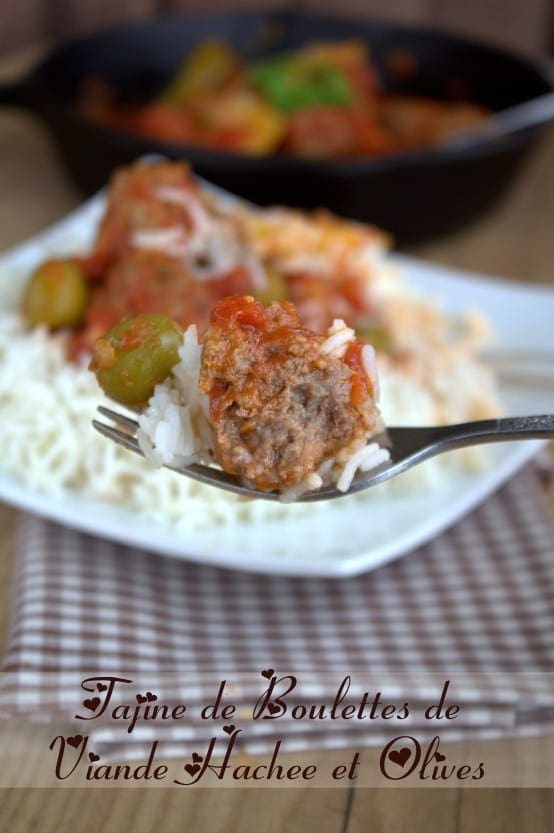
(515, 240)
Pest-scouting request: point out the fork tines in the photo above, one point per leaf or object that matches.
(120, 419)
(123, 438)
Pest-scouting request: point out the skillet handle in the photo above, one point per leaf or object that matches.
(507, 123)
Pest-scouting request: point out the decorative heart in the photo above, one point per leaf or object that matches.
(141, 699)
(268, 673)
(92, 704)
(401, 756)
(192, 769)
(229, 729)
(440, 757)
(101, 687)
(273, 708)
(75, 741)
(151, 697)
(93, 758)
(196, 758)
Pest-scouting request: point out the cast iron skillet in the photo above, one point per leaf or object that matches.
(415, 196)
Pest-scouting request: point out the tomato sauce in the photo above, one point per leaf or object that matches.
(279, 403)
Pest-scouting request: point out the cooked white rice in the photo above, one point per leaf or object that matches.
(47, 441)
(338, 338)
(174, 429)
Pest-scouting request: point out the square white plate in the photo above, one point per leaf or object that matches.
(365, 533)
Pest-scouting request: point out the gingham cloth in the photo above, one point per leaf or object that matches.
(474, 606)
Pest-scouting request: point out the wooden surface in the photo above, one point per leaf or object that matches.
(514, 240)
(521, 24)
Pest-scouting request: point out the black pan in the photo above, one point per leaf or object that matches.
(415, 196)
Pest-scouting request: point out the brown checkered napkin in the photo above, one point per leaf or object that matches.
(478, 599)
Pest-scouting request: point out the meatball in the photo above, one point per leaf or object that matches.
(281, 403)
(136, 203)
(143, 282)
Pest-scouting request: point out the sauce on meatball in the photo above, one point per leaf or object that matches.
(281, 403)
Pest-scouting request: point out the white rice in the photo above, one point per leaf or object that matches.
(171, 241)
(174, 429)
(47, 441)
(370, 366)
(364, 459)
(338, 338)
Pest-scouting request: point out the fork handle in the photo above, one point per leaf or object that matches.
(496, 430)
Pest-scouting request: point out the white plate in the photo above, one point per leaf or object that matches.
(363, 535)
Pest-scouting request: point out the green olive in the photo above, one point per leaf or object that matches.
(135, 356)
(378, 337)
(275, 289)
(56, 295)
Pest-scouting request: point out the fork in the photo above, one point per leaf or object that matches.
(407, 447)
